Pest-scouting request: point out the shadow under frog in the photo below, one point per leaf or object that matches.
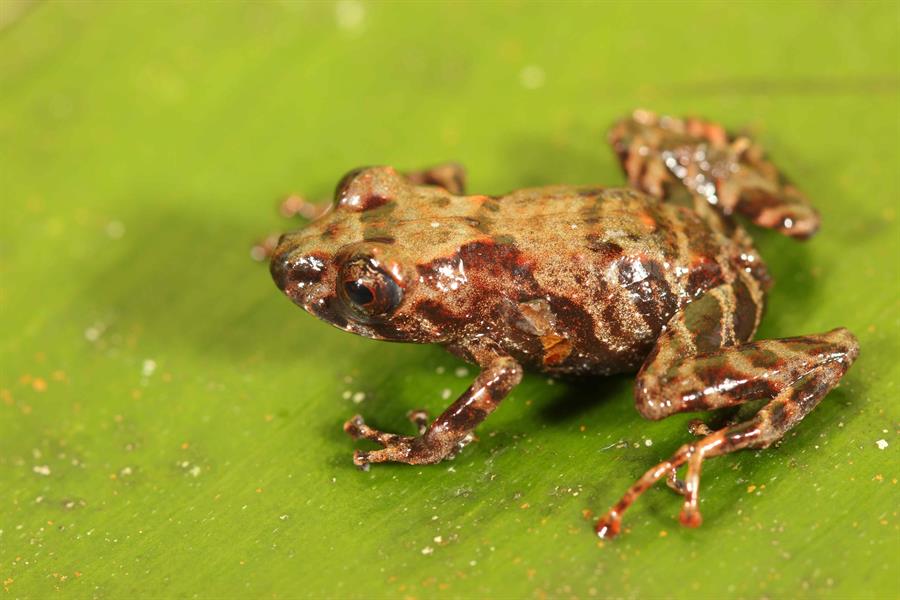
(656, 278)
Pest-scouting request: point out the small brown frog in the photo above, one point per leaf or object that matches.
(657, 278)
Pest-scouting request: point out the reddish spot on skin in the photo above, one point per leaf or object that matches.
(436, 312)
(332, 231)
(608, 251)
(373, 201)
(705, 274)
(648, 221)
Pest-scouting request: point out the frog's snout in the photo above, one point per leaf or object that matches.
(294, 271)
(280, 265)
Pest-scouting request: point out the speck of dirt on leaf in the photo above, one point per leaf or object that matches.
(115, 230)
(532, 77)
(349, 14)
(148, 367)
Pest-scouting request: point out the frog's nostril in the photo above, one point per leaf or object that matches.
(280, 267)
(293, 271)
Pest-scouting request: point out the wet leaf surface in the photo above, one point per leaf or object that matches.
(170, 425)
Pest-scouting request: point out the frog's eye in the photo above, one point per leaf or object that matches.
(368, 290)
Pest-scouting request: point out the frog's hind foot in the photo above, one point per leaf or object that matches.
(698, 428)
(666, 157)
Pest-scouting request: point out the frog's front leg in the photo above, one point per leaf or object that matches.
(451, 430)
(451, 176)
(703, 361)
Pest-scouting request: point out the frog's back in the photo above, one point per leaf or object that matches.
(601, 271)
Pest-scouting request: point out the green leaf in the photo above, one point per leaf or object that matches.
(171, 426)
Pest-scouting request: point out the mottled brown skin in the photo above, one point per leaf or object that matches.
(577, 281)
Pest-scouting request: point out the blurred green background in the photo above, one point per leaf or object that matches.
(170, 425)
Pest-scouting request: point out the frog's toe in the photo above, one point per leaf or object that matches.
(361, 460)
(356, 428)
(698, 428)
(690, 517)
(609, 525)
(420, 419)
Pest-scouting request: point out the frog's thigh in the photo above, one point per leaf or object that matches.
(703, 361)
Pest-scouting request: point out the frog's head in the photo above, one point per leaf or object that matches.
(348, 269)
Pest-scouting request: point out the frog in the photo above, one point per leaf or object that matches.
(658, 277)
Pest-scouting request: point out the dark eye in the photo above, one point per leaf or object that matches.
(358, 293)
(367, 290)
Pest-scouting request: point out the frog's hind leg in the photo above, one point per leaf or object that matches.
(667, 157)
(703, 362)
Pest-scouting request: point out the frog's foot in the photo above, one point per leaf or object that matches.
(610, 524)
(414, 450)
(262, 250)
(395, 447)
(451, 431)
